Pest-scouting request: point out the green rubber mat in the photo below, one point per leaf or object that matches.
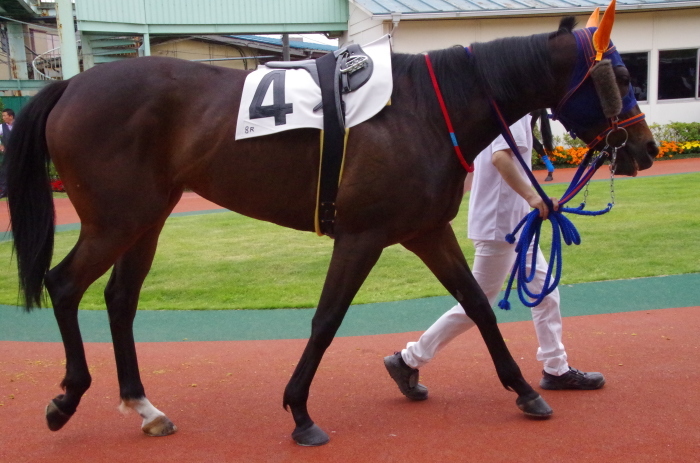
(367, 319)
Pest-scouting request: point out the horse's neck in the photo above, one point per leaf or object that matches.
(479, 121)
(532, 96)
(477, 125)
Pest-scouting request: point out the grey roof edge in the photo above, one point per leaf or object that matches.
(394, 16)
(364, 9)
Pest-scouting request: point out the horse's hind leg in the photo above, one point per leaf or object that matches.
(66, 283)
(440, 251)
(353, 258)
(121, 296)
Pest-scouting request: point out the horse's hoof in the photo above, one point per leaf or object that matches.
(535, 408)
(159, 427)
(55, 418)
(310, 437)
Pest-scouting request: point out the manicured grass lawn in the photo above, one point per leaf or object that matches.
(227, 261)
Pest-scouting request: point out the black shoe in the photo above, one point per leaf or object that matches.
(549, 178)
(572, 379)
(406, 377)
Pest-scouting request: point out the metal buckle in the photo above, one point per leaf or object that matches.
(354, 64)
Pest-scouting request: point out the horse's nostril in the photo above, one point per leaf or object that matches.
(652, 149)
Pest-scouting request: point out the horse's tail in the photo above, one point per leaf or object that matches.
(32, 214)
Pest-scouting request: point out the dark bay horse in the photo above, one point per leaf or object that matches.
(128, 137)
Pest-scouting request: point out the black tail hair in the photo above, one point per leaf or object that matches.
(32, 214)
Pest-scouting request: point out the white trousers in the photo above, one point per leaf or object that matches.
(492, 264)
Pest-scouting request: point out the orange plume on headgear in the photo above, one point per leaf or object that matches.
(601, 37)
(593, 20)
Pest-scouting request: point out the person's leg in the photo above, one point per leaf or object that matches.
(3, 179)
(548, 326)
(546, 316)
(550, 168)
(451, 324)
(492, 262)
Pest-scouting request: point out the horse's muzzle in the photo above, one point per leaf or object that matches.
(652, 150)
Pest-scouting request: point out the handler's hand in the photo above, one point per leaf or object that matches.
(538, 203)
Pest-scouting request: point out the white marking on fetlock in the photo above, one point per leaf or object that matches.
(155, 423)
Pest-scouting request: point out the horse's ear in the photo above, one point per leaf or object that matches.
(593, 20)
(601, 37)
(566, 25)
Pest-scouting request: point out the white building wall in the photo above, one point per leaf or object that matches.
(633, 32)
(364, 28)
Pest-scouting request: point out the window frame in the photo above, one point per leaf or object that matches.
(693, 98)
(648, 83)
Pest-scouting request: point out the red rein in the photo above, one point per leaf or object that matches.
(468, 167)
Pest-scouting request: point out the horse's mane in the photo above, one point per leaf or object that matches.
(519, 62)
(451, 66)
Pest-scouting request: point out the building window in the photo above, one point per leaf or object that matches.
(678, 74)
(638, 66)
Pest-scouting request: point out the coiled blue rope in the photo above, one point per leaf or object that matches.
(530, 229)
(531, 225)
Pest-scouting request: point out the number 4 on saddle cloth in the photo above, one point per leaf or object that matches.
(286, 95)
(333, 93)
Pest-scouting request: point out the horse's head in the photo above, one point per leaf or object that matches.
(599, 106)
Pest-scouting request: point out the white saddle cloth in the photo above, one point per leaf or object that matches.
(300, 94)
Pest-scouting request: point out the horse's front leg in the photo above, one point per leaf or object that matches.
(353, 258)
(439, 250)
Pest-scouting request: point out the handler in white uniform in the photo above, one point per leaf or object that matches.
(501, 196)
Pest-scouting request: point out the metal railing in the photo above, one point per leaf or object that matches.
(47, 66)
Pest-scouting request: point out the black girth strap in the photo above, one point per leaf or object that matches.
(333, 141)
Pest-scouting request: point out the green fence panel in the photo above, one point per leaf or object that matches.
(15, 103)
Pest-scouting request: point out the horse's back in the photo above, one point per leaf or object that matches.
(155, 98)
(140, 92)
(158, 125)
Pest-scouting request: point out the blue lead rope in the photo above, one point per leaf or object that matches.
(531, 225)
(530, 229)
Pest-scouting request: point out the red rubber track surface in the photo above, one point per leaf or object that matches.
(226, 399)
(666, 167)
